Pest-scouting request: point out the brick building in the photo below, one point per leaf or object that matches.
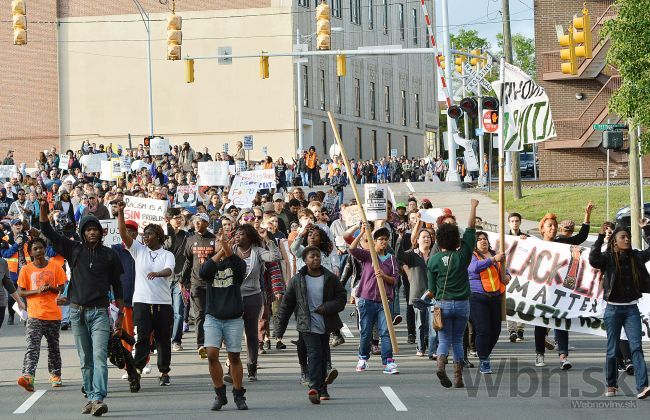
(578, 102)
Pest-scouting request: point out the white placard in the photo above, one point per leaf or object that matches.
(330, 202)
(376, 207)
(265, 178)
(242, 192)
(240, 165)
(7, 171)
(232, 169)
(116, 167)
(126, 163)
(159, 146)
(111, 233)
(352, 215)
(213, 173)
(63, 161)
(145, 211)
(93, 163)
(430, 215)
(106, 170)
(186, 195)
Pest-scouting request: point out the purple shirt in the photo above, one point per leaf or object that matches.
(367, 288)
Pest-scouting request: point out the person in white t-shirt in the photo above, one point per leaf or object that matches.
(152, 299)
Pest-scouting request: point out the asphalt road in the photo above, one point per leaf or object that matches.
(516, 390)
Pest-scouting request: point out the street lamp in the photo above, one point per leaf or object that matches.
(301, 142)
(147, 25)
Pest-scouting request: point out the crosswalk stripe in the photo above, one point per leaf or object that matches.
(30, 401)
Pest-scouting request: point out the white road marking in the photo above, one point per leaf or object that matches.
(393, 398)
(30, 401)
(346, 331)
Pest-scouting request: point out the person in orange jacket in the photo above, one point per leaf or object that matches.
(312, 165)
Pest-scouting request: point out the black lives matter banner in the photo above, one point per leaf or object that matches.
(554, 286)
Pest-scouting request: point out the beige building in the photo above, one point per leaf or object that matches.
(95, 70)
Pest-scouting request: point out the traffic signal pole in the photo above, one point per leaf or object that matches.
(452, 174)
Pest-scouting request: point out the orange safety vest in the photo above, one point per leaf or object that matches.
(12, 262)
(311, 160)
(491, 277)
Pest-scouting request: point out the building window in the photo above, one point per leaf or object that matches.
(321, 84)
(303, 3)
(373, 109)
(403, 103)
(357, 97)
(414, 15)
(387, 104)
(359, 149)
(355, 12)
(371, 14)
(374, 144)
(336, 8)
(406, 146)
(338, 94)
(389, 144)
(385, 3)
(341, 131)
(305, 86)
(416, 106)
(325, 135)
(400, 13)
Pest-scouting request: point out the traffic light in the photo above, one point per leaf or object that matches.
(568, 54)
(490, 103)
(474, 61)
(441, 58)
(582, 37)
(264, 67)
(459, 63)
(174, 37)
(469, 106)
(323, 28)
(454, 112)
(19, 12)
(189, 70)
(340, 65)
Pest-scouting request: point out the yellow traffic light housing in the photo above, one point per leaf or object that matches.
(441, 59)
(19, 12)
(583, 36)
(174, 37)
(474, 61)
(341, 65)
(458, 61)
(323, 27)
(189, 70)
(568, 54)
(264, 67)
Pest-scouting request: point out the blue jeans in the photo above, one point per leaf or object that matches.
(421, 329)
(91, 329)
(65, 314)
(628, 318)
(179, 309)
(455, 314)
(304, 176)
(340, 194)
(371, 312)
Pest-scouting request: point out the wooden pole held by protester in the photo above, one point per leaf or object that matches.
(371, 242)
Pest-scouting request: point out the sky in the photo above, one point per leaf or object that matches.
(485, 17)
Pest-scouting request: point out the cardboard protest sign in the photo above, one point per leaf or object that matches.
(352, 215)
(554, 286)
(106, 167)
(240, 166)
(376, 201)
(93, 163)
(430, 215)
(111, 233)
(63, 161)
(265, 178)
(213, 173)
(146, 211)
(242, 192)
(126, 164)
(186, 195)
(330, 202)
(159, 146)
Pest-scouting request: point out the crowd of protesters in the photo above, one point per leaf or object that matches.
(244, 272)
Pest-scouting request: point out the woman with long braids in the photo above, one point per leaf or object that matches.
(152, 300)
(255, 250)
(625, 278)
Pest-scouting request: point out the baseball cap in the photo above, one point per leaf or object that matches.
(402, 205)
(15, 222)
(202, 216)
(268, 208)
(278, 197)
(131, 224)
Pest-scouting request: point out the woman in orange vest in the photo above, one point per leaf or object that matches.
(485, 301)
(312, 165)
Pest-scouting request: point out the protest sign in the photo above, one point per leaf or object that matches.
(213, 173)
(63, 161)
(352, 215)
(430, 215)
(240, 165)
(111, 233)
(93, 163)
(186, 195)
(159, 146)
(232, 169)
(554, 286)
(116, 167)
(376, 207)
(145, 211)
(265, 178)
(7, 171)
(106, 167)
(330, 202)
(242, 192)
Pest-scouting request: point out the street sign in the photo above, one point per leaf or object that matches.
(491, 121)
(248, 142)
(393, 153)
(224, 51)
(265, 151)
(225, 147)
(605, 127)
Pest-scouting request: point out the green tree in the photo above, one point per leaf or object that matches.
(523, 49)
(629, 52)
(468, 40)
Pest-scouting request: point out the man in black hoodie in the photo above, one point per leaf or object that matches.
(96, 271)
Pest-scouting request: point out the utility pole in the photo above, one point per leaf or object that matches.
(507, 52)
(635, 187)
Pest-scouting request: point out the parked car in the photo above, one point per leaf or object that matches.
(527, 164)
(622, 218)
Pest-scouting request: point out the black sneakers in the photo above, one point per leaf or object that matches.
(164, 380)
(252, 372)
